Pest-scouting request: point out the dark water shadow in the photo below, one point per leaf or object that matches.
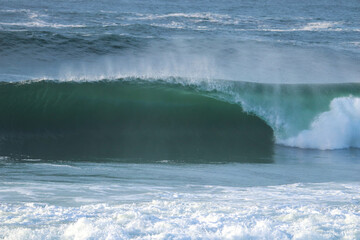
(131, 122)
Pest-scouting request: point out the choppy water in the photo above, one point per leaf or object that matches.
(179, 119)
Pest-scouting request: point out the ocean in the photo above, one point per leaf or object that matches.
(179, 119)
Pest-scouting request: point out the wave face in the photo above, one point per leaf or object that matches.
(174, 118)
(128, 119)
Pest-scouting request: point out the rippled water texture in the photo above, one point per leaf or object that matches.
(179, 119)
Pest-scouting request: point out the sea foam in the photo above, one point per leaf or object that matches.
(294, 211)
(337, 128)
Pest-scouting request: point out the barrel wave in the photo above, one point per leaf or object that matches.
(174, 118)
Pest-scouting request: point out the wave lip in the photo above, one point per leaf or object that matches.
(337, 128)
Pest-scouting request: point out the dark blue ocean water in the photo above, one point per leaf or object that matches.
(223, 39)
(79, 80)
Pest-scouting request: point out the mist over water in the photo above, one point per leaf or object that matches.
(198, 59)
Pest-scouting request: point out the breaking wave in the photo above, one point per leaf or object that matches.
(335, 129)
(175, 117)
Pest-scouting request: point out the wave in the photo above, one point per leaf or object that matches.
(125, 118)
(336, 129)
(175, 118)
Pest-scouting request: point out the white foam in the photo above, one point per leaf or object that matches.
(295, 211)
(173, 25)
(327, 26)
(315, 26)
(335, 129)
(41, 24)
(203, 15)
(36, 21)
(189, 18)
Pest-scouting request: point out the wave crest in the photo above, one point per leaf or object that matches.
(337, 128)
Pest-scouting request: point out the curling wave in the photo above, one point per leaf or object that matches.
(175, 118)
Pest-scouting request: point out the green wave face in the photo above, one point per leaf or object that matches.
(127, 119)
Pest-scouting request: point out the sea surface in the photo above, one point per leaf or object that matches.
(179, 119)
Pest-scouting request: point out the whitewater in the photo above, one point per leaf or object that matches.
(179, 119)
